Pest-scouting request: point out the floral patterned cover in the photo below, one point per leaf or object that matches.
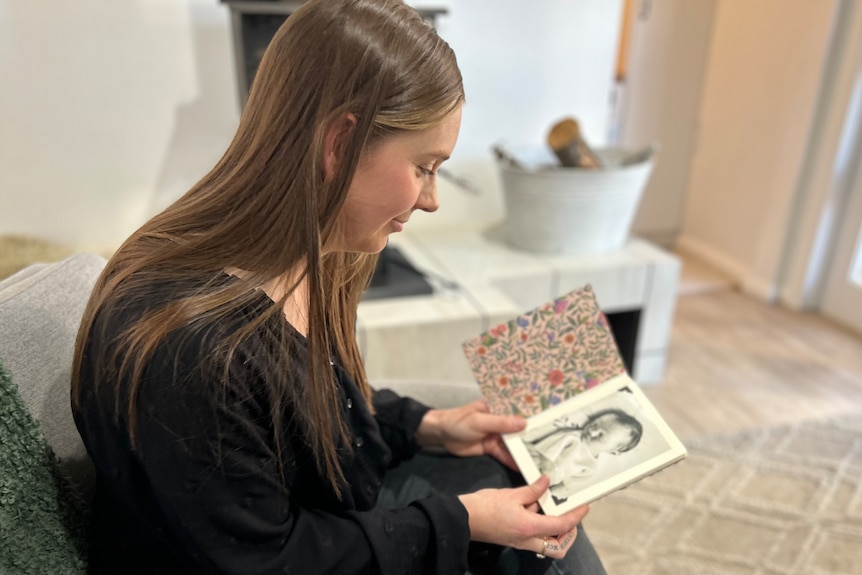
(545, 356)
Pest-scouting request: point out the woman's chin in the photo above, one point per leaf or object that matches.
(370, 246)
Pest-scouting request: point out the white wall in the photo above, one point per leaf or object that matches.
(105, 107)
(525, 65)
(109, 109)
(759, 102)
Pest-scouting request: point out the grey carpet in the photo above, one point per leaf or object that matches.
(775, 501)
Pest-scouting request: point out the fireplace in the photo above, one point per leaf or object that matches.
(395, 276)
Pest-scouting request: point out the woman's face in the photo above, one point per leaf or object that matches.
(395, 177)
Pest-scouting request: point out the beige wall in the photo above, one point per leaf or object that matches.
(662, 93)
(759, 99)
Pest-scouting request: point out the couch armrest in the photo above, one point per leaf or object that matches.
(40, 311)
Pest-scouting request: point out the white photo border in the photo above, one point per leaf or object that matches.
(672, 449)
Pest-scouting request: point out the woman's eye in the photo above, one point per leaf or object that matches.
(426, 171)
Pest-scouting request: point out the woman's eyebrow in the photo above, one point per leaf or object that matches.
(438, 155)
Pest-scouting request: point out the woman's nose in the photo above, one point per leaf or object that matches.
(428, 200)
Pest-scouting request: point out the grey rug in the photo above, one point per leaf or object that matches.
(774, 501)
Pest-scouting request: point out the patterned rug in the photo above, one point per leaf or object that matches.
(774, 501)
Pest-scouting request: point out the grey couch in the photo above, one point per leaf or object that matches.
(40, 309)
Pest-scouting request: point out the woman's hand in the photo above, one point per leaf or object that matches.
(510, 517)
(469, 430)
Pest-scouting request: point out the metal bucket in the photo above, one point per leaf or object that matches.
(575, 211)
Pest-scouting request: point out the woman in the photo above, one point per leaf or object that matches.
(217, 382)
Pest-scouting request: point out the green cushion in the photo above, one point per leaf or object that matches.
(43, 519)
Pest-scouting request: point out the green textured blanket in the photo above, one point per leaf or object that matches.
(42, 517)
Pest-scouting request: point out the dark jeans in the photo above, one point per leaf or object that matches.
(429, 472)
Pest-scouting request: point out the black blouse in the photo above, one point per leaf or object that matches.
(177, 504)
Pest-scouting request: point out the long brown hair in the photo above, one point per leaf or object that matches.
(268, 209)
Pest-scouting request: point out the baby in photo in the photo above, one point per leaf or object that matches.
(568, 453)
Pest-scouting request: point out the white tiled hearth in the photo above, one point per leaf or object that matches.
(484, 282)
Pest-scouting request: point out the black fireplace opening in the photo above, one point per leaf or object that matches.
(624, 327)
(395, 276)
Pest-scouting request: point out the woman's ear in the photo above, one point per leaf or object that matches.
(337, 137)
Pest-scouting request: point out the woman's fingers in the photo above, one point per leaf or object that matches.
(559, 531)
(480, 405)
(487, 423)
(558, 546)
(511, 517)
(577, 514)
(552, 527)
(531, 493)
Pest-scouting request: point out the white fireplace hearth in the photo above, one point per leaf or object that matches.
(479, 282)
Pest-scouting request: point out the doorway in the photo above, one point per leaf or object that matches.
(842, 293)
(822, 271)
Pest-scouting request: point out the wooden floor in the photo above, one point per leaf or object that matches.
(737, 364)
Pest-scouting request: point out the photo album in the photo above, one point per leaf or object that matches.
(590, 428)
